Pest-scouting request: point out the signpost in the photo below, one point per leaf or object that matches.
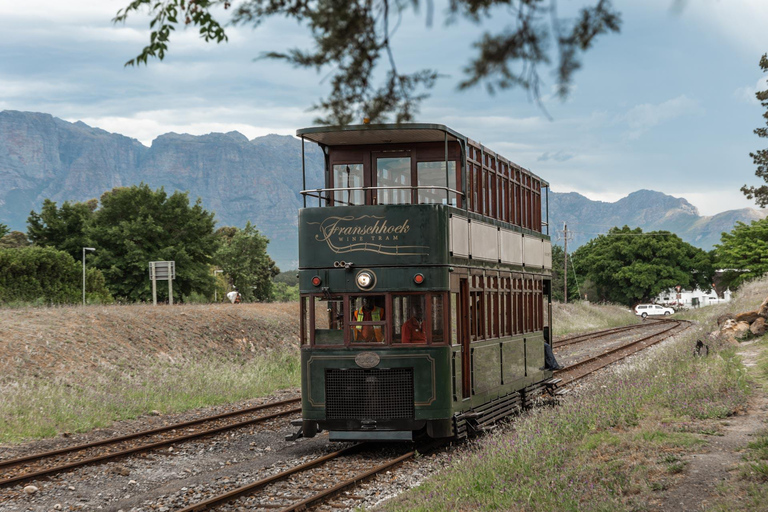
(162, 270)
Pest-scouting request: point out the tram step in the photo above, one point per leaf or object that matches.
(553, 381)
(562, 391)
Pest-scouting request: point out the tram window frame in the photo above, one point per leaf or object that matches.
(405, 194)
(351, 325)
(399, 318)
(326, 338)
(453, 172)
(360, 191)
(304, 320)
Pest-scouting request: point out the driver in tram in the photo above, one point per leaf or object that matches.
(369, 312)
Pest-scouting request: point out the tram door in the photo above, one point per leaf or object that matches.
(466, 353)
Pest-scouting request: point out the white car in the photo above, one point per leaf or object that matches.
(644, 310)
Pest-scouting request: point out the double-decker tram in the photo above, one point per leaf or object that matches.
(425, 270)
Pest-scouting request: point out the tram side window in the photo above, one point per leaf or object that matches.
(393, 172)
(329, 321)
(367, 319)
(432, 174)
(409, 319)
(304, 320)
(455, 318)
(347, 176)
(437, 319)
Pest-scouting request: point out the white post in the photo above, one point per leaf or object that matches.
(85, 249)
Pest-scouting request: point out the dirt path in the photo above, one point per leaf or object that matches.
(722, 454)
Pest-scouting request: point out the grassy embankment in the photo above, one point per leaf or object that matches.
(79, 369)
(615, 446)
(71, 370)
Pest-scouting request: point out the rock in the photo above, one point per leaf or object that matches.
(121, 470)
(758, 327)
(722, 318)
(57, 506)
(763, 309)
(31, 489)
(154, 413)
(749, 317)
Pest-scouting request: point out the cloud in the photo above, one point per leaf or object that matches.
(558, 156)
(747, 93)
(146, 126)
(641, 118)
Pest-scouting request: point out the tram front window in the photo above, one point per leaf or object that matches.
(368, 320)
(346, 176)
(393, 172)
(409, 319)
(432, 174)
(329, 321)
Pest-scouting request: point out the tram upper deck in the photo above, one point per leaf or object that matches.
(465, 203)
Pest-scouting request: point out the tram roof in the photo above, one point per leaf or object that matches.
(358, 134)
(378, 134)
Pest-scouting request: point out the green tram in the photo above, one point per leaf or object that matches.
(425, 273)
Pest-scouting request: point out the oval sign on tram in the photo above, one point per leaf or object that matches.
(367, 359)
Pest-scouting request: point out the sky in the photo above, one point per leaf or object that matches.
(668, 104)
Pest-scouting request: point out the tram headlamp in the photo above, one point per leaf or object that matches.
(418, 278)
(316, 281)
(365, 279)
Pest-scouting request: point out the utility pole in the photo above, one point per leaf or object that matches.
(566, 236)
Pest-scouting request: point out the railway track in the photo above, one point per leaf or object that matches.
(297, 488)
(589, 336)
(30, 467)
(581, 369)
(306, 484)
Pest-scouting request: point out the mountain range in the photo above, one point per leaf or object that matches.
(259, 180)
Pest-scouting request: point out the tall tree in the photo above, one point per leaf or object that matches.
(243, 257)
(4, 230)
(14, 240)
(743, 252)
(353, 37)
(760, 157)
(628, 266)
(63, 228)
(137, 225)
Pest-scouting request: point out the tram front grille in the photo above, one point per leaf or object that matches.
(369, 394)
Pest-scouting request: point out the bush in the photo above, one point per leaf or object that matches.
(43, 275)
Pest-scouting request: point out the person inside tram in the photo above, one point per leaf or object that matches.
(412, 330)
(368, 312)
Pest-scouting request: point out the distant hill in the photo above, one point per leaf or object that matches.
(258, 180)
(646, 209)
(238, 179)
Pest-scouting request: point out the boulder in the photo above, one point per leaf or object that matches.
(763, 309)
(758, 327)
(748, 317)
(722, 318)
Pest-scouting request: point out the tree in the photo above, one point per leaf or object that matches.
(63, 228)
(4, 230)
(243, 257)
(558, 276)
(137, 225)
(45, 275)
(743, 252)
(14, 240)
(628, 266)
(352, 37)
(760, 157)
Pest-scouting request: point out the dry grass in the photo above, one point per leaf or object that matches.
(578, 317)
(76, 368)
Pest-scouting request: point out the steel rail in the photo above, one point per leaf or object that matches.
(247, 489)
(112, 440)
(633, 347)
(151, 446)
(579, 338)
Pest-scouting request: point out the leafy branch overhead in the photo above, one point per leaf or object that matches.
(353, 39)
